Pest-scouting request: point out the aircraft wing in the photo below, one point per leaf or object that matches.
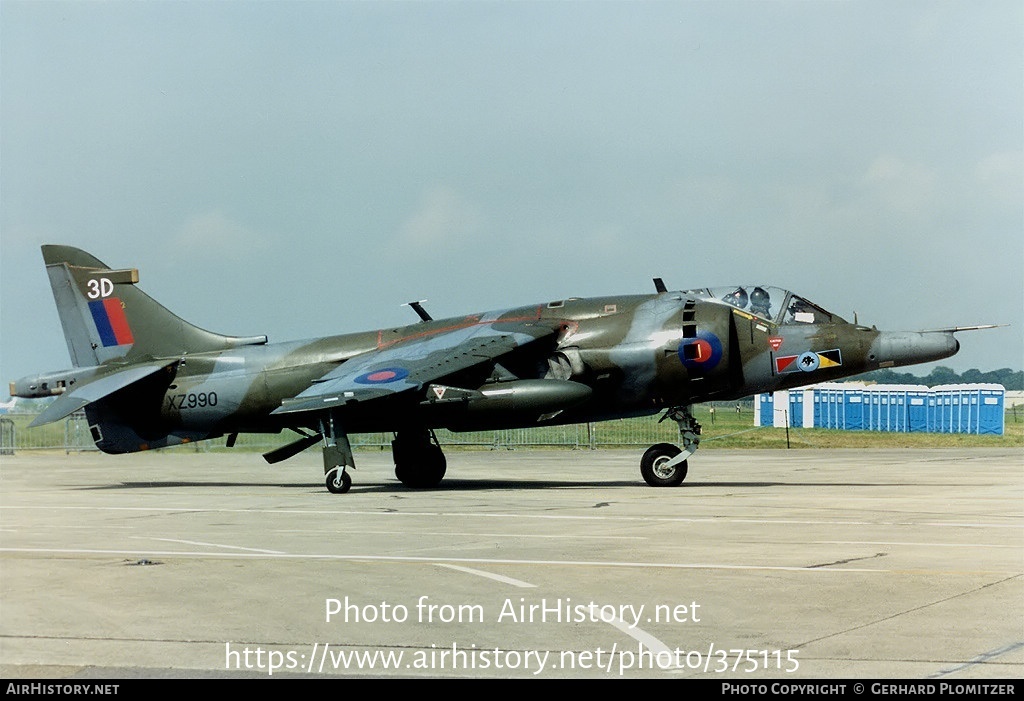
(412, 363)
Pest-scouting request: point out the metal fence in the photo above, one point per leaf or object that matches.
(73, 435)
(7, 433)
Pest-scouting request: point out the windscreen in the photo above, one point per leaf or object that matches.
(773, 304)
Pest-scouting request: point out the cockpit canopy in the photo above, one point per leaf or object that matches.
(773, 304)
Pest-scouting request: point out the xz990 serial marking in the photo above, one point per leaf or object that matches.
(191, 400)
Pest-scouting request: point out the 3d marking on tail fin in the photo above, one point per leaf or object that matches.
(107, 318)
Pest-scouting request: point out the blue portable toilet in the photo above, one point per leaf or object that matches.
(764, 404)
(940, 412)
(943, 409)
(880, 406)
(898, 419)
(837, 405)
(853, 408)
(796, 408)
(899, 408)
(918, 409)
(943, 416)
(955, 405)
(974, 408)
(892, 403)
(826, 406)
(969, 395)
(823, 414)
(884, 407)
(873, 409)
(817, 419)
(991, 415)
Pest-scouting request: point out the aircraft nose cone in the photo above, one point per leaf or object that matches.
(892, 349)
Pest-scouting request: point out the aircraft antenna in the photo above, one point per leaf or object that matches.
(418, 308)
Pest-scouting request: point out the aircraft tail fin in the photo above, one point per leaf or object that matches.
(105, 317)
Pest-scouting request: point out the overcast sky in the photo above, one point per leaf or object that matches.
(302, 168)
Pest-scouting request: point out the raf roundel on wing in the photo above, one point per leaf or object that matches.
(382, 376)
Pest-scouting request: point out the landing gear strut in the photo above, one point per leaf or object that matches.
(419, 462)
(337, 455)
(664, 464)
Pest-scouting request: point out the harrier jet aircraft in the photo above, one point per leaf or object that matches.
(148, 379)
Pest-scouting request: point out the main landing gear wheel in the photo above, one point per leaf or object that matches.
(338, 481)
(655, 468)
(419, 464)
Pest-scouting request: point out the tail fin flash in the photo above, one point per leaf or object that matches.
(107, 318)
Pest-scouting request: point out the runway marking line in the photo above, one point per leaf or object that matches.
(638, 634)
(213, 545)
(489, 575)
(560, 563)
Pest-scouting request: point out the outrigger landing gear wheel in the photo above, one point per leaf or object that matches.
(338, 481)
(337, 454)
(655, 467)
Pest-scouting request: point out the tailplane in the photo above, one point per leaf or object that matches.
(106, 318)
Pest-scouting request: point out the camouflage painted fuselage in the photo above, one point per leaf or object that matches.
(638, 355)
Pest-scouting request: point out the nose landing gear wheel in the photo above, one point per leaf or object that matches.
(655, 467)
